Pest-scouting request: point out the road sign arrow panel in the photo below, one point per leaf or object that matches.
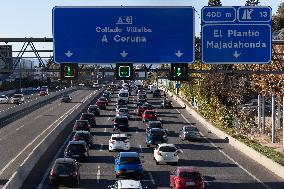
(124, 54)
(179, 54)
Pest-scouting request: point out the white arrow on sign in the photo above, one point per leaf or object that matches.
(68, 54)
(179, 54)
(236, 54)
(124, 54)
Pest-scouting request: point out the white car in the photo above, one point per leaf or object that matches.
(127, 184)
(120, 106)
(4, 99)
(118, 142)
(17, 99)
(166, 153)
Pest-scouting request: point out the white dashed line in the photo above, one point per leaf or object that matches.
(136, 131)
(105, 130)
(101, 147)
(151, 177)
(20, 127)
(226, 155)
(140, 146)
(98, 174)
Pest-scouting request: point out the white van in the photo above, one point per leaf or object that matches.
(152, 88)
(124, 95)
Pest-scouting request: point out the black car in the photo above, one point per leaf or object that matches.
(65, 171)
(141, 102)
(85, 136)
(166, 103)
(90, 117)
(66, 98)
(121, 102)
(121, 123)
(157, 93)
(94, 109)
(106, 94)
(189, 132)
(81, 125)
(153, 124)
(77, 150)
(156, 136)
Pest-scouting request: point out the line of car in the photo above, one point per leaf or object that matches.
(127, 163)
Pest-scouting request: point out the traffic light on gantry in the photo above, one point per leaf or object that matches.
(179, 72)
(124, 71)
(69, 71)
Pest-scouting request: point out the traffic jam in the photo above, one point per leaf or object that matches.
(128, 103)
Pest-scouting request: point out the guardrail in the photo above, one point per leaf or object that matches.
(19, 177)
(25, 108)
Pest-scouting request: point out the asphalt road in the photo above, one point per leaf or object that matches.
(29, 96)
(222, 166)
(20, 137)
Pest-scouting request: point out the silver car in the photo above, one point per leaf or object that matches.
(189, 132)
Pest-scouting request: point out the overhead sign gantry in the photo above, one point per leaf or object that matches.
(232, 35)
(123, 34)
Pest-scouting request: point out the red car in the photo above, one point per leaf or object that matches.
(102, 103)
(186, 178)
(149, 115)
(43, 93)
(140, 110)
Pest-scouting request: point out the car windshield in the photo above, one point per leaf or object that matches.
(123, 94)
(191, 175)
(103, 99)
(121, 121)
(2, 96)
(119, 138)
(86, 116)
(130, 160)
(76, 148)
(167, 149)
(93, 108)
(64, 167)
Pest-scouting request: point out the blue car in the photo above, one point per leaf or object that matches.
(156, 136)
(128, 164)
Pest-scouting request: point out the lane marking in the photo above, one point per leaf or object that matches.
(98, 174)
(64, 116)
(136, 131)
(151, 177)
(20, 127)
(105, 130)
(53, 160)
(37, 117)
(140, 146)
(108, 118)
(101, 147)
(226, 155)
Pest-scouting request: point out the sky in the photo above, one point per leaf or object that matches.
(33, 18)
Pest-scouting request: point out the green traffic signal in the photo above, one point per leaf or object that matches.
(124, 71)
(179, 72)
(69, 71)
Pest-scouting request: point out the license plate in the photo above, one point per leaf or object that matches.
(129, 171)
(190, 183)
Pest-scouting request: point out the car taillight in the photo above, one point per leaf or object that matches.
(159, 153)
(115, 122)
(112, 141)
(53, 173)
(74, 173)
(126, 141)
(180, 181)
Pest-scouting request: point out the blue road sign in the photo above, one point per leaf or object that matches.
(177, 85)
(123, 34)
(242, 36)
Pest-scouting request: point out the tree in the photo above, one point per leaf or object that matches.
(214, 3)
(252, 3)
(278, 19)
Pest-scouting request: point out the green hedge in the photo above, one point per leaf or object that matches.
(223, 118)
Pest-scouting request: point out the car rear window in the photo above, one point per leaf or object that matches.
(119, 138)
(86, 116)
(78, 148)
(83, 135)
(155, 125)
(167, 149)
(123, 110)
(130, 160)
(157, 133)
(191, 129)
(121, 121)
(17, 96)
(191, 175)
(149, 113)
(81, 123)
(64, 167)
(123, 94)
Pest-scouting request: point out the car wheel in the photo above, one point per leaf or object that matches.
(148, 145)
(157, 163)
(116, 176)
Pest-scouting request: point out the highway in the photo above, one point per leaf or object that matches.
(20, 137)
(222, 166)
(30, 96)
